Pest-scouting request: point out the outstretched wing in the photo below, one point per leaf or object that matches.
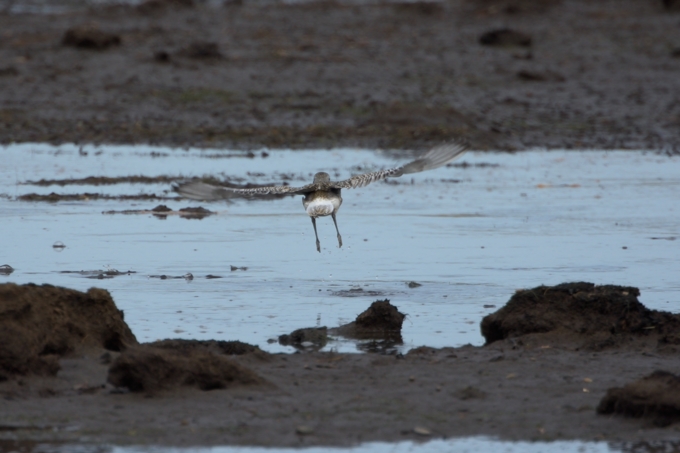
(197, 190)
(436, 157)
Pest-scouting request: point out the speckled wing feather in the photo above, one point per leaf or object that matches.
(201, 191)
(436, 157)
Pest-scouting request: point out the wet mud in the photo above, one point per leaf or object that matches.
(505, 74)
(527, 383)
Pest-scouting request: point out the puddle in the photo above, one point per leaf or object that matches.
(507, 222)
(466, 445)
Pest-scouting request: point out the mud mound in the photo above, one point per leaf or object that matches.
(595, 316)
(38, 324)
(151, 369)
(656, 397)
(381, 320)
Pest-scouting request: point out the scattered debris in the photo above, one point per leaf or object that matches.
(421, 431)
(469, 393)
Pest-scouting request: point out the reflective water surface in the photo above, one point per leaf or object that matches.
(470, 234)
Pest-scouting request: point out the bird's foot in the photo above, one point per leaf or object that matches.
(318, 246)
(339, 241)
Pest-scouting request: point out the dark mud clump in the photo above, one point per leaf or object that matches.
(102, 181)
(55, 197)
(100, 274)
(88, 37)
(655, 397)
(161, 208)
(202, 50)
(381, 320)
(162, 212)
(195, 213)
(505, 37)
(40, 324)
(313, 338)
(357, 292)
(153, 368)
(582, 314)
(540, 76)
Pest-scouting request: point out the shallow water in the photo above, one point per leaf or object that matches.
(471, 236)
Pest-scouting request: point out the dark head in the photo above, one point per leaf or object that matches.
(321, 177)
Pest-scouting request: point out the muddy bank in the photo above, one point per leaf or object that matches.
(521, 386)
(503, 74)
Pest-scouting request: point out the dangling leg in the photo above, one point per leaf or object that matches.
(338, 231)
(318, 244)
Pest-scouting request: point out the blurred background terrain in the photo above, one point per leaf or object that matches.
(505, 74)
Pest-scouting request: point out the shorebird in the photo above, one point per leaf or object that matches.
(322, 197)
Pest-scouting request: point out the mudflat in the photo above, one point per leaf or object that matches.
(504, 74)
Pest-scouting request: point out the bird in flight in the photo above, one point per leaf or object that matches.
(322, 197)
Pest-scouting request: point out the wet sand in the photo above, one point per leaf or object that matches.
(328, 74)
